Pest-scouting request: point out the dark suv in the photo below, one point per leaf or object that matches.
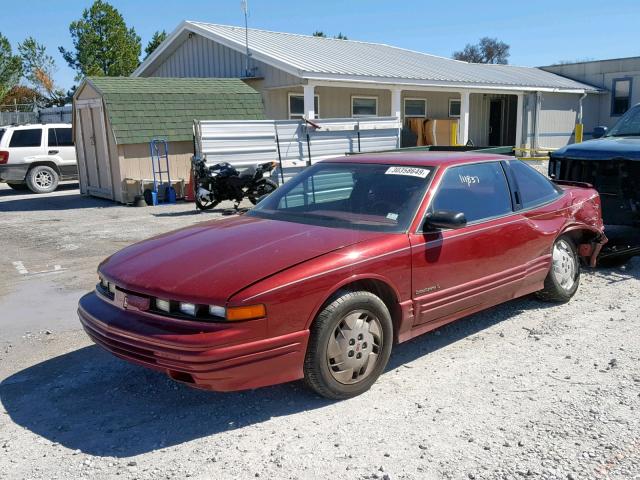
(611, 163)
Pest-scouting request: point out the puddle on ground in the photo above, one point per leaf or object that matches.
(36, 306)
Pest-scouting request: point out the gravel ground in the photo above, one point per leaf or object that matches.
(524, 390)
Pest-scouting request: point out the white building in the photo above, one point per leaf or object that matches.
(619, 80)
(305, 76)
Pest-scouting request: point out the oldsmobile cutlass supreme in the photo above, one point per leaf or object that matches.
(353, 255)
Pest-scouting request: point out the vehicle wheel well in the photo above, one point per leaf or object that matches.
(580, 237)
(46, 164)
(381, 290)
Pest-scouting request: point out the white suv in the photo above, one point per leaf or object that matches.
(37, 156)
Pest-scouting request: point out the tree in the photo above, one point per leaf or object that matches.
(156, 40)
(21, 95)
(10, 67)
(320, 33)
(38, 68)
(487, 50)
(103, 45)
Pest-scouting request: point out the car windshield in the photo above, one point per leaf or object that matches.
(628, 125)
(350, 195)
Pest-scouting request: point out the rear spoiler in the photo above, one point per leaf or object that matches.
(569, 183)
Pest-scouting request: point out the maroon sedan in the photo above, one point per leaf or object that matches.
(322, 277)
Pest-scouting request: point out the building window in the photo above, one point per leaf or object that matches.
(621, 96)
(296, 106)
(415, 108)
(364, 106)
(454, 107)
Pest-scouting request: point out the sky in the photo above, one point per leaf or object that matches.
(540, 32)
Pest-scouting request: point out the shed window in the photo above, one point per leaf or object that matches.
(621, 92)
(415, 108)
(364, 106)
(30, 137)
(296, 106)
(454, 107)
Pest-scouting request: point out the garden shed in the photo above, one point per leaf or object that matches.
(115, 118)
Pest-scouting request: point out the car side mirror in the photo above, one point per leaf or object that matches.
(444, 219)
(599, 132)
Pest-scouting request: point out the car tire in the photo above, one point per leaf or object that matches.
(42, 179)
(349, 345)
(563, 278)
(18, 186)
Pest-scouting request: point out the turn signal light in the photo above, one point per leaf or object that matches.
(4, 157)
(248, 312)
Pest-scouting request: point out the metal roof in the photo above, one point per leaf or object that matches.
(318, 58)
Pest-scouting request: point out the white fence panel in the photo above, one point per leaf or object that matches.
(294, 144)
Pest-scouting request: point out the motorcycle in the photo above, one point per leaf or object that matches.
(213, 184)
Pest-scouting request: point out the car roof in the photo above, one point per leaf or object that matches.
(420, 158)
(37, 125)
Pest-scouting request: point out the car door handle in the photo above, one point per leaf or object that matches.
(53, 152)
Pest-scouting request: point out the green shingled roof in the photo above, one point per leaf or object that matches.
(142, 108)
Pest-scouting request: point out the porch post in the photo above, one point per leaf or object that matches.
(463, 134)
(396, 109)
(309, 104)
(519, 119)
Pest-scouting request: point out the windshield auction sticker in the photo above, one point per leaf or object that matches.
(409, 171)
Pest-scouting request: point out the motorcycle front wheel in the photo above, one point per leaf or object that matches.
(202, 204)
(261, 189)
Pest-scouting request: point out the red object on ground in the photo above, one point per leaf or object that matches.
(293, 265)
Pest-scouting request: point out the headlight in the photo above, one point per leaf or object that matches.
(188, 308)
(164, 305)
(217, 311)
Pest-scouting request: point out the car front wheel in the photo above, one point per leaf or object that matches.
(42, 179)
(349, 345)
(564, 276)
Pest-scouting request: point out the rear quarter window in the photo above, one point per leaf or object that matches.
(533, 188)
(28, 137)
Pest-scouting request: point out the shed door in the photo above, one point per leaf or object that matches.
(94, 150)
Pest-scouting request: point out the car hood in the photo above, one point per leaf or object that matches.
(211, 261)
(627, 148)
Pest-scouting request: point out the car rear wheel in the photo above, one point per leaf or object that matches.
(564, 276)
(349, 345)
(42, 179)
(18, 186)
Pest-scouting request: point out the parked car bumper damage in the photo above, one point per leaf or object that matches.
(13, 173)
(215, 356)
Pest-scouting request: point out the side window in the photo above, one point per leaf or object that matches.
(533, 188)
(52, 141)
(29, 137)
(60, 137)
(324, 187)
(479, 190)
(65, 138)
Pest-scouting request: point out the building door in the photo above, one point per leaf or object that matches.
(496, 109)
(93, 154)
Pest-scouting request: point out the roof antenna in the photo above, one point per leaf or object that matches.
(245, 9)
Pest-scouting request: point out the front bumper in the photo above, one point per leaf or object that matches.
(13, 173)
(220, 356)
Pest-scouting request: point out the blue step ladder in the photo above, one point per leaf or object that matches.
(159, 148)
